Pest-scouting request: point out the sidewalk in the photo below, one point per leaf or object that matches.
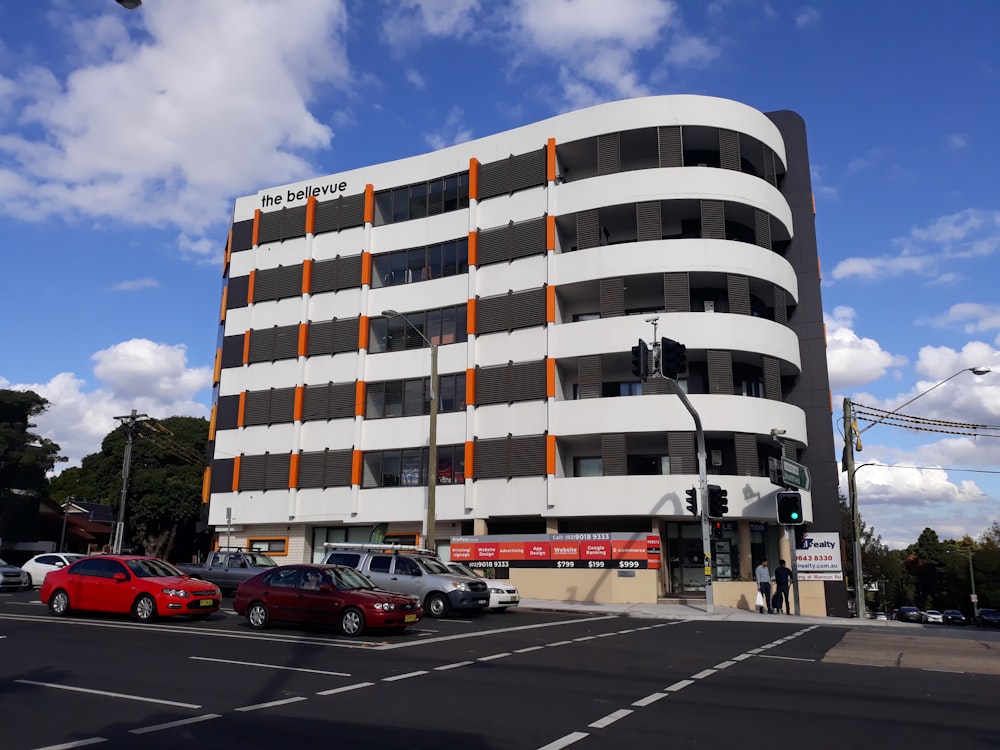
(696, 611)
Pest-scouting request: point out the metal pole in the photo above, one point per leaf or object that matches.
(432, 455)
(129, 421)
(62, 536)
(972, 583)
(852, 497)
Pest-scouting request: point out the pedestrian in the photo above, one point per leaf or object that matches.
(782, 580)
(763, 578)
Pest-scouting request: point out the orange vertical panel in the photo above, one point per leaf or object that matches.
(360, 393)
(470, 309)
(243, 408)
(356, 468)
(307, 276)
(211, 422)
(366, 268)
(253, 279)
(222, 310)
(363, 332)
(206, 484)
(550, 233)
(819, 268)
(246, 348)
(470, 386)
(473, 248)
(550, 160)
(229, 251)
(310, 214)
(369, 204)
(550, 303)
(470, 455)
(293, 472)
(217, 373)
(550, 454)
(300, 394)
(236, 474)
(550, 377)
(256, 226)
(303, 339)
(473, 179)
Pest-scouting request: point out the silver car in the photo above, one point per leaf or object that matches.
(13, 578)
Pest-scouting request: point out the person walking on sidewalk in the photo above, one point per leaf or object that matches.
(782, 580)
(763, 578)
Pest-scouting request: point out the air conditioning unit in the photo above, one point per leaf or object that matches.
(716, 459)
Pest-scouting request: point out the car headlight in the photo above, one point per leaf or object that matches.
(496, 590)
(459, 586)
(385, 606)
(180, 593)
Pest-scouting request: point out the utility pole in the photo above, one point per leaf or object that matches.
(130, 422)
(852, 498)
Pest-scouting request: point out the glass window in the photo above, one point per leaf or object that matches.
(588, 466)
(448, 325)
(418, 201)
(373, 470)
(410, 474)
(374, 400)
(383, 207)
(415, 398)
(415, 332)
(350, 559)
(380, 270)
(400, 204)
(390, 469)
(433, 331)
(395, 334)
(286, 578)
(406, 567)
(394, 398)
(377, 334)
(397, 268)
(461, 324)
(451, 195)
(462, 251)
(449, 258)
(416, 261)
(380, 563)
(434, 261)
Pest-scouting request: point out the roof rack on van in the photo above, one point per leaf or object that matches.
(384, 547)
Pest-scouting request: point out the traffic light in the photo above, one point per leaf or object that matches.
(640, 360)
(673, 358)
(716, 529)
(692, 503)
(718, 501)
(790, 508)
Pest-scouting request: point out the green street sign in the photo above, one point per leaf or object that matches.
(795, 474)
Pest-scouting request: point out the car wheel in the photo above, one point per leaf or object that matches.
(352, 622)
(31, 581)
(257, 616)
(437, 605)
(144, 609)
(59, 603)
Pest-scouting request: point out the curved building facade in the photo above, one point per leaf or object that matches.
(528, 263)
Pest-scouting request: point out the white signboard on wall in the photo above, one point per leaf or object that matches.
(818, 559)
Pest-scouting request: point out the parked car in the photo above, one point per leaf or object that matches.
(324, 594)
(144, 587)
(228, 567)
(12, 577)
(416, 571)
(954, 617)
(503, 594)
(41, 565)
(988, 618)
(910, 614)
(933, 616)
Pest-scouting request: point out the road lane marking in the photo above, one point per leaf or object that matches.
(406, 676)
(611, 718)
(642, 702)
(786, 658)
(493, 656)
(724, 664)
(742, 657)
(269, 666)
(584, 638)
(755, 651)
(272, 704)
(703, 674)
(528, 649)
(679, 686)
(515, 629)
(559, 643)
(70, 745)
(346, 688)
(456, 665)
(566, 741)
(172, 724)
(108, 694)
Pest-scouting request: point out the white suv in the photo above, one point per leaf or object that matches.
(503, 594)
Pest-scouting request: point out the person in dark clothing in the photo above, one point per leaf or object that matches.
(783, 579)
(763, 578)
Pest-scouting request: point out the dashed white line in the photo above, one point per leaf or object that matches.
(703, 674)
(584, 638)
(172, 724)
(271, 704)
(754, 650)
(559, 643)
(947, 671)
(528, 649)
(566, 741)
(724, 664)
(491, 657)
(109, 695)
(406, 676)
(741, 657)
(786, 658)
(649, 699)
(346, 688)
(78, 743)
(455, 665)
(679, 686)
(611, 718)
(269, 666)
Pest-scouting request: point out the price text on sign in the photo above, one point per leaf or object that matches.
(593, 551)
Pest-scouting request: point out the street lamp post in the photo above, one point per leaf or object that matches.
(852, 433)
(430, 537)
(62, 535)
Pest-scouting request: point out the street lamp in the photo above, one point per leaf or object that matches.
(432, 448)
(852, 434)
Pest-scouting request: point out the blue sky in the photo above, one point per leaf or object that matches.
(125, 137)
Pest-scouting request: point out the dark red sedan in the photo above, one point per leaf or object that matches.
(144, 587)
(324, 594)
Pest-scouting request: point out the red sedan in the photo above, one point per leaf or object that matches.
(324, 594)
(144, 587)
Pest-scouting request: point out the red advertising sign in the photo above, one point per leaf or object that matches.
(595, 550)
(565, 550)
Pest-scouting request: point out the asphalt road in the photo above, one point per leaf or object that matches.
(521, 680)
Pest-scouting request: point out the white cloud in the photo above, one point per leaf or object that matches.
(135, 285)
(691, 50)
(152, 378)
(409, 20)
(974, 317)
(452, 131)
(851, 359)
(807, 17)
(957, 140)
(415, 79)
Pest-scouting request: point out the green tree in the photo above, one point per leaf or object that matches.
(923, 561)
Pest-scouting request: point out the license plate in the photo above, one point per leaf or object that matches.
(206, 603)
(513, 600)
(409, 618)
(482, 601)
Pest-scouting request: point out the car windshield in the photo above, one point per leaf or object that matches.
(259, 560)
(3, 562)
(152, 568)
(434, 566)
(73, 558)
(462, 570)
(350, 579)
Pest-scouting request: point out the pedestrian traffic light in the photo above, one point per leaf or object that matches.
(640, 360)
(692, 503)
(673, 358)
(718, 501)
(790, 508)
(716, 529)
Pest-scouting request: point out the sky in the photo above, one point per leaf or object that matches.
(126, 135)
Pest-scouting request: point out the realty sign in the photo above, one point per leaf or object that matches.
(818, 559)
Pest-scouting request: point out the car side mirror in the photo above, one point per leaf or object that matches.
(120, 577)
(326, 587)
(60, 564)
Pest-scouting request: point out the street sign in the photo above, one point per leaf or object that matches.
(973, 598)
(795, 474)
